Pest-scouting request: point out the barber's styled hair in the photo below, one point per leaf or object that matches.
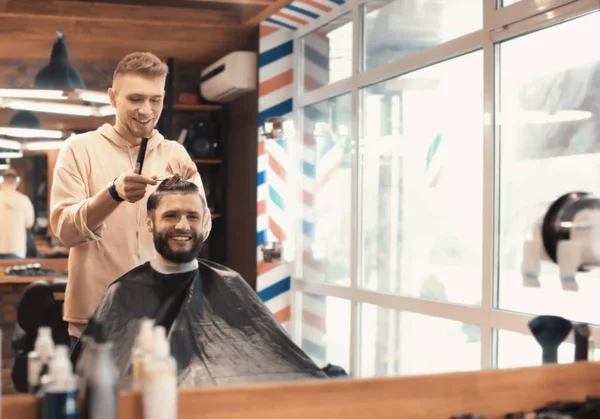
(174, 184)
(142, 63)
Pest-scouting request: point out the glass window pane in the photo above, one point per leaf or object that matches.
(325, 330)
(505, 3)
(397, 28)
(549, 123)
(517, 350)
(402, 343)
(326, 183)
(327, 54)
(421, 157)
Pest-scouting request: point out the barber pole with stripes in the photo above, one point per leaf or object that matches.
(275, 99)
(434, 162)
(273, 217)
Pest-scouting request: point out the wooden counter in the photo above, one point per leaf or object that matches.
(59, 264)
(490, 393)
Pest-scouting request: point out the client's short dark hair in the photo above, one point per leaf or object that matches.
(174, 184)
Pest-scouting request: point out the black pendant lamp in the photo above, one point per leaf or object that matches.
(58, 74)
(25, 119)
(54, 86)
(26, 124)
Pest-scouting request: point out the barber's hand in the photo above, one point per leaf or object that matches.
(132, 187)
(187, 169)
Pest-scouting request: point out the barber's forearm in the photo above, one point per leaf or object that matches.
(99, 208)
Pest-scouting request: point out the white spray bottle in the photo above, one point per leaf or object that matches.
(142, 349)
(38, 360)
(160, 384)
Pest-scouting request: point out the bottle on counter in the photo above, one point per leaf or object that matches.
(38, 360)
(160, 380)
(142, 349)
(60, 387)
(87, 346)
(102, 394)
(84, 364)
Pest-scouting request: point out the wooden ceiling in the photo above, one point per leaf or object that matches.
(191, 31)
(107, 30)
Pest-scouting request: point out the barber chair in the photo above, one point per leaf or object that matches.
(40, 305)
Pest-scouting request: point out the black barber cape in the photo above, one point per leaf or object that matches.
(219, 329)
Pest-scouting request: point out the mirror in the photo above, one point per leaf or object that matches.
(34, 172)
(94, 55)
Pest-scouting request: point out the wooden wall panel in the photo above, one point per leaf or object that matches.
(241, 180)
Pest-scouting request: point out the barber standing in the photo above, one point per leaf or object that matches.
(98, 201)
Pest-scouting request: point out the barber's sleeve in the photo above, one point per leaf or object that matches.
(69, 200)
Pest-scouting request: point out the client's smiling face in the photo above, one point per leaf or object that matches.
(177, 226)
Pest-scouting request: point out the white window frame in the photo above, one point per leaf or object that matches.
(498, 25)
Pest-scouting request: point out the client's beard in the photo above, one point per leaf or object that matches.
(161, 244)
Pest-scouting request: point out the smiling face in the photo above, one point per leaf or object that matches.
(176, 225)
(138, 100)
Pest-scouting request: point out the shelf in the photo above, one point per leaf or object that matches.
(207, 161)
(196, 108)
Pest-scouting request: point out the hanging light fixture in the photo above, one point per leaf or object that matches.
(58, 74)
(58, 81)
(43, 145)
(10, 149)
(25, 124)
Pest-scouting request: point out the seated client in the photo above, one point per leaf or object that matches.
(219, 330)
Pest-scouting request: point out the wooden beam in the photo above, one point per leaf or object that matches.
(100, 33)
(106, 32)
(85, 49)
(242, 2)
(70, 11)
(267, 12)
(249, 12)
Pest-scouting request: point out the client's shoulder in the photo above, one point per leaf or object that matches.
(139, 272)
(207, 266)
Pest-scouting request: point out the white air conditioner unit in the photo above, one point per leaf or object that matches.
(230, 77)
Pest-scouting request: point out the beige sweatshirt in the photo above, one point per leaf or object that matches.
(16, 216)
(86, 164)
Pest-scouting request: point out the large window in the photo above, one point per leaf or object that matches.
(519, 350)
(402, 343)
(421, 160)
(325, 191)
(549, 125)
(398, 28)
(438, 134)
(325, 330)
(327, 54)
